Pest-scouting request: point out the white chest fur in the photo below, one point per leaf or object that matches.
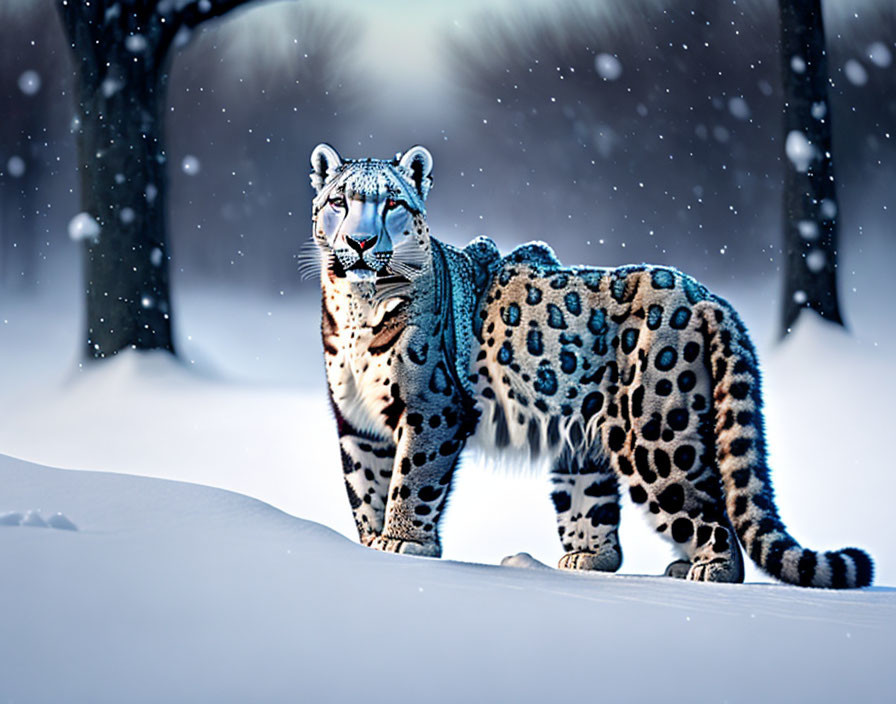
(359, 380)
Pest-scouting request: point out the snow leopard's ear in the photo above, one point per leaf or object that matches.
(418, 161)
(324, 162)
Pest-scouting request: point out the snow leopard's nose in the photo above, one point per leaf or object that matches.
(361, 243)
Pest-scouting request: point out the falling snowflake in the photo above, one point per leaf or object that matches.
(608, 67)
(15, 167)
(879, 55)
(29, 82)
(135, 43)
(190, 165)
(808, 229)
(828, 209)
(738, 107)
(800, 150)
(110, 86)
(855, 72)
(84, 227)
(815, 260)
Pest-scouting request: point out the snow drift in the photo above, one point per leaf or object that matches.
(176, 592)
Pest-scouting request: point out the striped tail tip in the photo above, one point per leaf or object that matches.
(863, 565)
(849, 568)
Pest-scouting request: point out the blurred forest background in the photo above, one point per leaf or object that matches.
(619, 131)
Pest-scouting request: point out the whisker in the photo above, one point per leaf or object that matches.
(390, 287)
(310, 260)
(409, 252)
(408, 259)
(308, 269)
(403, 269)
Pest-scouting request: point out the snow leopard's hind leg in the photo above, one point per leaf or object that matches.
(585, 493)
(667, 460)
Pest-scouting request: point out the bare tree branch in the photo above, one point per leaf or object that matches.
(198, 11)
(174, 16)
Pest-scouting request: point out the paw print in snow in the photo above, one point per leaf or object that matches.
(33, 519)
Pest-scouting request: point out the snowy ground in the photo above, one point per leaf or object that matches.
(176, 592)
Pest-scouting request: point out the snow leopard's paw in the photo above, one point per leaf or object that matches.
(406, 547)
(678, 569)
(719, 569)
(607, 560)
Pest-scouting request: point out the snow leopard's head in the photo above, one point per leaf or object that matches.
(369, 219)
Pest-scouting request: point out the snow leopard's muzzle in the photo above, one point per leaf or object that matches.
(360, 233)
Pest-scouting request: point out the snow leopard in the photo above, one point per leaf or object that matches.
(635, 377)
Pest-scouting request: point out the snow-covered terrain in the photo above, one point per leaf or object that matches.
(175, 592)
(176, 529)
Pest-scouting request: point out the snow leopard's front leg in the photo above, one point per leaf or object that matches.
(430, 436)
(367, 470)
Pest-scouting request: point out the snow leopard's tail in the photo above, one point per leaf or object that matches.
(741, 456)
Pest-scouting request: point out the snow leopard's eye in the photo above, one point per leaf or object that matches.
(391, 204)
(337, 203)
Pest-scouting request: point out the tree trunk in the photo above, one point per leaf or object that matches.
(121, 56)
(122, 165)
(810, 198)
(18, 224)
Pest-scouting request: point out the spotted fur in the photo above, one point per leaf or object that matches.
(636, 376)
